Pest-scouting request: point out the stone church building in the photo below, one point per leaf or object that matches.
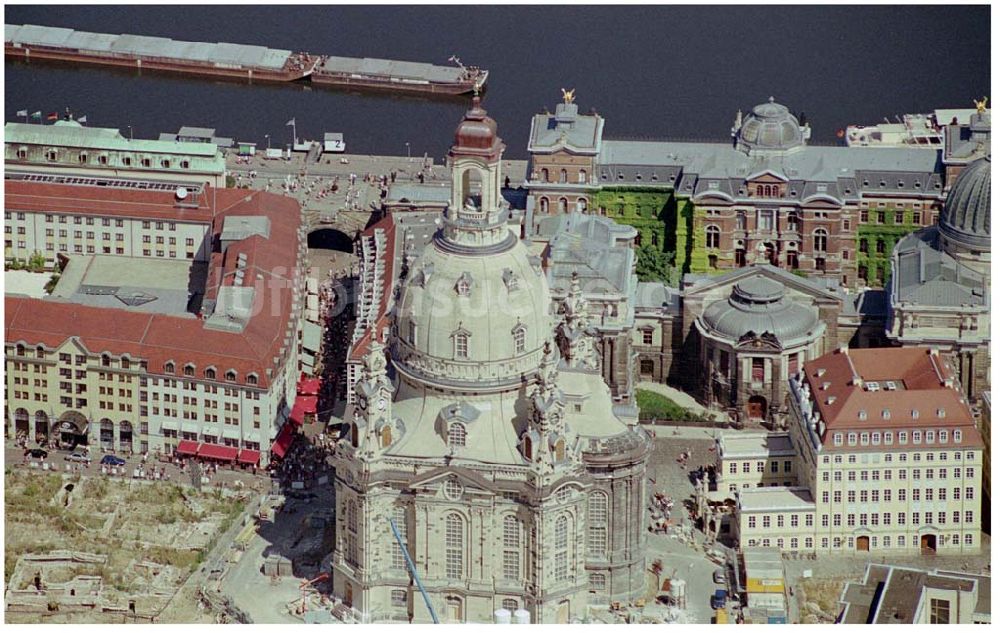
(484, 445)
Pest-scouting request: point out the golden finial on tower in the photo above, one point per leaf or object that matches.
(980, 105)
(568, 95)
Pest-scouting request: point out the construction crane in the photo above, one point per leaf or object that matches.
(305, 584)
(413, 570)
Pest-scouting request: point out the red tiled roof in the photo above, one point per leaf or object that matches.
(217, 451)
(184, 339)
(40, 197)
(388, 226)
(921, 376)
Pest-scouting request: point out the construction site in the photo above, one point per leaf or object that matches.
(96, 550)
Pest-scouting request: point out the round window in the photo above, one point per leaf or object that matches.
(453, 489)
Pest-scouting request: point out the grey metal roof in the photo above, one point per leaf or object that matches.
(770, 127)
(845, 169)
(585, 244)
(656, 294)
(923, 274)
(141, 45)
(758, 304)
(419, 193)
(566, 128)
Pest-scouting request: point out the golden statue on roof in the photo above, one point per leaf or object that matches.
(980, 105)
(568, 95)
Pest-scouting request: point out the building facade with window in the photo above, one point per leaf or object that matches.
(563, 147)
(57, 220)
(482, 430)
(68, 149)
(893, 594)
(939, 295)
(748, 331)
(715, 204)
(108, 361)
(889, 459)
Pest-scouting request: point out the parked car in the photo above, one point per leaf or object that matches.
(719, 577)
(719, 599)
(37, 453)
(112, 460)
(78, 456)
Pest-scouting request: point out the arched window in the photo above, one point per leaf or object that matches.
(252, 379)
(597, 537)
(527, 447)
(105, 360)
(411, 333)
(40, 352)
(819, 240)
(126, 363)
(210, 373)
(511, 548)
(545, 175)
(713, 236)
(386, 435)
(454, 546)
(562, 175)
(352, 533)
(880, 245)
(509, 603)
(231, 376)
(863, 246)
(354, 435)
(560, 449)
(561, 568)
(543, 205)
(168, 367)
(563, 205)
(581, 177)
(189, 370)
(456, 434)
(399, 517)
(519, 333)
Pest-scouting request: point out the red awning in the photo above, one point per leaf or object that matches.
(216, 451)
(298, 414)
(309, 386)
(283, 441)
(187, 447)
(247, 456)
(308, 403)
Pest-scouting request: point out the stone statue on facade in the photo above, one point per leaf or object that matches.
(568, 95)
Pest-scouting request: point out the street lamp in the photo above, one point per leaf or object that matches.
(407, 150)
(130, 137)
(268, 137)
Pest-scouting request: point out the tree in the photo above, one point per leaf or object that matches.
(652, 264)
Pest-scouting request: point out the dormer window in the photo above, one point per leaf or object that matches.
(519, 336)
(252, 380)
(210, 373)
(456, 434)
(461, 342)
(105, 360)
(168, 367)
(958, 435)
(230, 376)
(189, 370)
(510, 279)
(464, 285)
(940, 413)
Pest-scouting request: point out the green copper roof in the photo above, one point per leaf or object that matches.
(72, 134)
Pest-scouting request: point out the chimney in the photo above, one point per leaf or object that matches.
(842, 349)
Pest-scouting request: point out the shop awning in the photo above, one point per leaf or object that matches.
(247, 456)
(283, 441)
(187, 447)
(308, 403)
(309, 386)
(217, 451)
(298, 415)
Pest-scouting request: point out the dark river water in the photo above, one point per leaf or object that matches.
(673, 72)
